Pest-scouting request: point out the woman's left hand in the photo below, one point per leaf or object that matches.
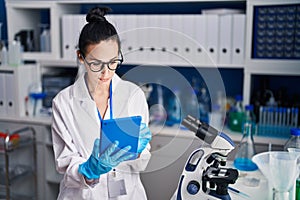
(144, 138)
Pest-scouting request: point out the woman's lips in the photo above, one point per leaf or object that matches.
(104, 79)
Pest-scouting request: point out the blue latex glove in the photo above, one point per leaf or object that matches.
(111, 157)
(145, 137)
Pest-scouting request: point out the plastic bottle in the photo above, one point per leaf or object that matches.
(236, 115)
(174, 108)
(4, 56)
(45, 40)
(14, 53)
(246, 148)
(191, 105)
(293, 145)
(204, 104)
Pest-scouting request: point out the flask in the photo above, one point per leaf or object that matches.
(249, 117)
(236, 115)
(293, 145)
(246, 149)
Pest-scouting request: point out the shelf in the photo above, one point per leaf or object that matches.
(235, 136)
(15, 173)
(28, 120)
(273, 67)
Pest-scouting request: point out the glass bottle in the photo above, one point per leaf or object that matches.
(293, 145)
(236, 115)
(246, 149)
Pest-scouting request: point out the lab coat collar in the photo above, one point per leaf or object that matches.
(81, 90)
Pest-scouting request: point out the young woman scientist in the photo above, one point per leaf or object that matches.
(78, 111)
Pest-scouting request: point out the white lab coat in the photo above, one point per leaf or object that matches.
(75, 127)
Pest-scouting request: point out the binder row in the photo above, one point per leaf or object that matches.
(181, 40)
(14, 88)
(277, 32)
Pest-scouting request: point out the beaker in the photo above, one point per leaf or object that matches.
(281, 170)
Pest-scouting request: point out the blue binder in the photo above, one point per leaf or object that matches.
(126, 130)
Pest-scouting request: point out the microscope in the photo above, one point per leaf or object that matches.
(204, 175)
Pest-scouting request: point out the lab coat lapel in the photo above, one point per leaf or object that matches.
(119, 99)
(85, 115)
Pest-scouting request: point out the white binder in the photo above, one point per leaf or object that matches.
(3, 110)
(190, 46)
(225, 39)
(67, 35)
(177, 41)
(164, 39)
(212, 37)
(10, 83)
(200, 37)
(238, 35)
(129, 40)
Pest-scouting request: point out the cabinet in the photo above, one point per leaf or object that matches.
(18, 164)
(47, 178)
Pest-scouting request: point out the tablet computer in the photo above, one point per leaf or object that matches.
(126, 130)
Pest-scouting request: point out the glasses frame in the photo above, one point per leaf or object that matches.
(104, 63)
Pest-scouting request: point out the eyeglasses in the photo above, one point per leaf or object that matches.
(98, 65)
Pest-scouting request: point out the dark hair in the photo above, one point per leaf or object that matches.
(97, 29)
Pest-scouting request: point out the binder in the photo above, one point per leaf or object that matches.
(238, 35)
(10, 83)
(143, 38)
(212, 37)
(225, 39)
(154, 32)
(200, 37)
(67, 28)
(177, 41)
(190, 45)
(129, 40)
(3, 110)
(164, 40)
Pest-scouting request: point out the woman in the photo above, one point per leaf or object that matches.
(78, 111)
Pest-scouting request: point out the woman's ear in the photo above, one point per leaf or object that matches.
(80, 57)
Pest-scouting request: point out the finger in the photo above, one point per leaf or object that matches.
(143, 125)
(96, 147)
(121, 152)
(112, 148)
(127, 157)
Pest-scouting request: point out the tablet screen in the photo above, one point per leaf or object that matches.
(126, 130)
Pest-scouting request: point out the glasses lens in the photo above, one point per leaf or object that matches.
(114, 64)
(96, 66)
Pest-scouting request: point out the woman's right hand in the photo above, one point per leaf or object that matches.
(101, 164)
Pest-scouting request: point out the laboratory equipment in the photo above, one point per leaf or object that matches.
(18, 164)
(14, 53)
(281, 170)
(236, 115)
(4, 54)
(246, 149)
(45, 38)
(203, 176)
(36, 95)
(293, 145)
(174, 108)
(204, 104)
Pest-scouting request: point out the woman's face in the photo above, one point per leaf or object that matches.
(105, 51)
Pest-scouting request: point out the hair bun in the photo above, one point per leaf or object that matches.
(97, 14)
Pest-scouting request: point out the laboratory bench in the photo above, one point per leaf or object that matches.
(170, 148)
